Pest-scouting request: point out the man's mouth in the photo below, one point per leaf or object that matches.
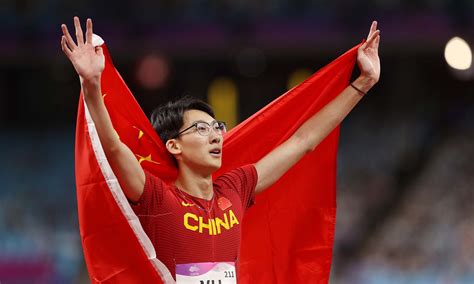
(215, 152)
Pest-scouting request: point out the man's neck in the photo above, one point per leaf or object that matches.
(194, 183)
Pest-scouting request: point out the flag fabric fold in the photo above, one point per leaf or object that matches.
(287, 236)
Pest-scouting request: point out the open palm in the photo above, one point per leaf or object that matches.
(88, 60)
(368, 54)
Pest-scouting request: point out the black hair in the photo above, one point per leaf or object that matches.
(167, 119)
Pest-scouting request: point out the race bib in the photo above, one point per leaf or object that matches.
(206, 273)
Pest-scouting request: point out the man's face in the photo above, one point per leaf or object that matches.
(202, 153)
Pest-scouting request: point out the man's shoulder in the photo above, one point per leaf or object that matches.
(237, 175)
(238, 170)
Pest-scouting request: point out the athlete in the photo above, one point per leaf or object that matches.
(195, 219)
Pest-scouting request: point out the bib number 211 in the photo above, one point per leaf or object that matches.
(206, 273)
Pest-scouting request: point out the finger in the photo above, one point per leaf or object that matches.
(68, 37)
(362, 47)
(373, 28)
(63, 38)
(64, 46)
(99, 51)
(370, 41)
(89, 31)
(79, 34)
(377, 41)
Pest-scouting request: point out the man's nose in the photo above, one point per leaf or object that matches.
(215, 137)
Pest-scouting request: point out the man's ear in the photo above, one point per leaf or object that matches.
(173, 147)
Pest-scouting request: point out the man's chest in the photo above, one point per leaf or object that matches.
(196, 222)
(221, 216)
(184, 219)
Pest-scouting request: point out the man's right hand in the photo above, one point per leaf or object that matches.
(88, 60)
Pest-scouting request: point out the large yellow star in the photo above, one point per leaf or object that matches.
(147, 159)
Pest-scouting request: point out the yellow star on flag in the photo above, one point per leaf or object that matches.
(140, 133)
(147, 159)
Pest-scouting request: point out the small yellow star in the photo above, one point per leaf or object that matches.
(140, 133)
(147, 158)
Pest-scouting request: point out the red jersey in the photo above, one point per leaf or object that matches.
(188, 229)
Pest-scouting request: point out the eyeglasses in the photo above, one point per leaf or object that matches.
(204, 128)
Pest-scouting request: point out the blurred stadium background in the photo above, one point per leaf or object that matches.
(406, 171)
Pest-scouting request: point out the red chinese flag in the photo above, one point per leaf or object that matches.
(288, 234)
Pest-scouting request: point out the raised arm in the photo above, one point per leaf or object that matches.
(89, 63)
(271, 167)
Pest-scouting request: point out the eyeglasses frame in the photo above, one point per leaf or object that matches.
(210, 127)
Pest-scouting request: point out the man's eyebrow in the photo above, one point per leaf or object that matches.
(210, 123)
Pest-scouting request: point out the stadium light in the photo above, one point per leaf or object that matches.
(458, 54)
(153, 71)
(298, 76)
(223, 96)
